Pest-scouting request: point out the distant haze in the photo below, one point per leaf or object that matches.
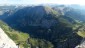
(36, 2)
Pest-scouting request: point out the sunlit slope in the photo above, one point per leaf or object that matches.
(81, 32)
(44, 23)
(22, 38)
(16, 36)
(74, 11)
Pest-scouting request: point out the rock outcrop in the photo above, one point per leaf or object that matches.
(82, 44)
(5, 41)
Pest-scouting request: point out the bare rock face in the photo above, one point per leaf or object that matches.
(82, 44)
(5, 41)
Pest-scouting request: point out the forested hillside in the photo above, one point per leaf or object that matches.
(43, 27)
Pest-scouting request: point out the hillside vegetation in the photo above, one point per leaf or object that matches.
(46, 25)
(81, 31)
(43, 27)
(22, 38)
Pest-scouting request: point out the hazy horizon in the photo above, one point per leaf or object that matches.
(37, 2)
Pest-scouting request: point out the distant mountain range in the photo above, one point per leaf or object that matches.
(56, 24)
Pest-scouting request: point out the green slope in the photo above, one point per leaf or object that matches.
(16, 36)
(45, 26)
(22, 38)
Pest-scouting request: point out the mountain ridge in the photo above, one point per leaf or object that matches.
(47, 25)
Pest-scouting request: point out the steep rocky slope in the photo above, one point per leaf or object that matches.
(45, 23)
(5, 41)
(82, 44)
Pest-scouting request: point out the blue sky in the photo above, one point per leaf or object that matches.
(80, 2)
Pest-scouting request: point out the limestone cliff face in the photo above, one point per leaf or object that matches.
(5, 41)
